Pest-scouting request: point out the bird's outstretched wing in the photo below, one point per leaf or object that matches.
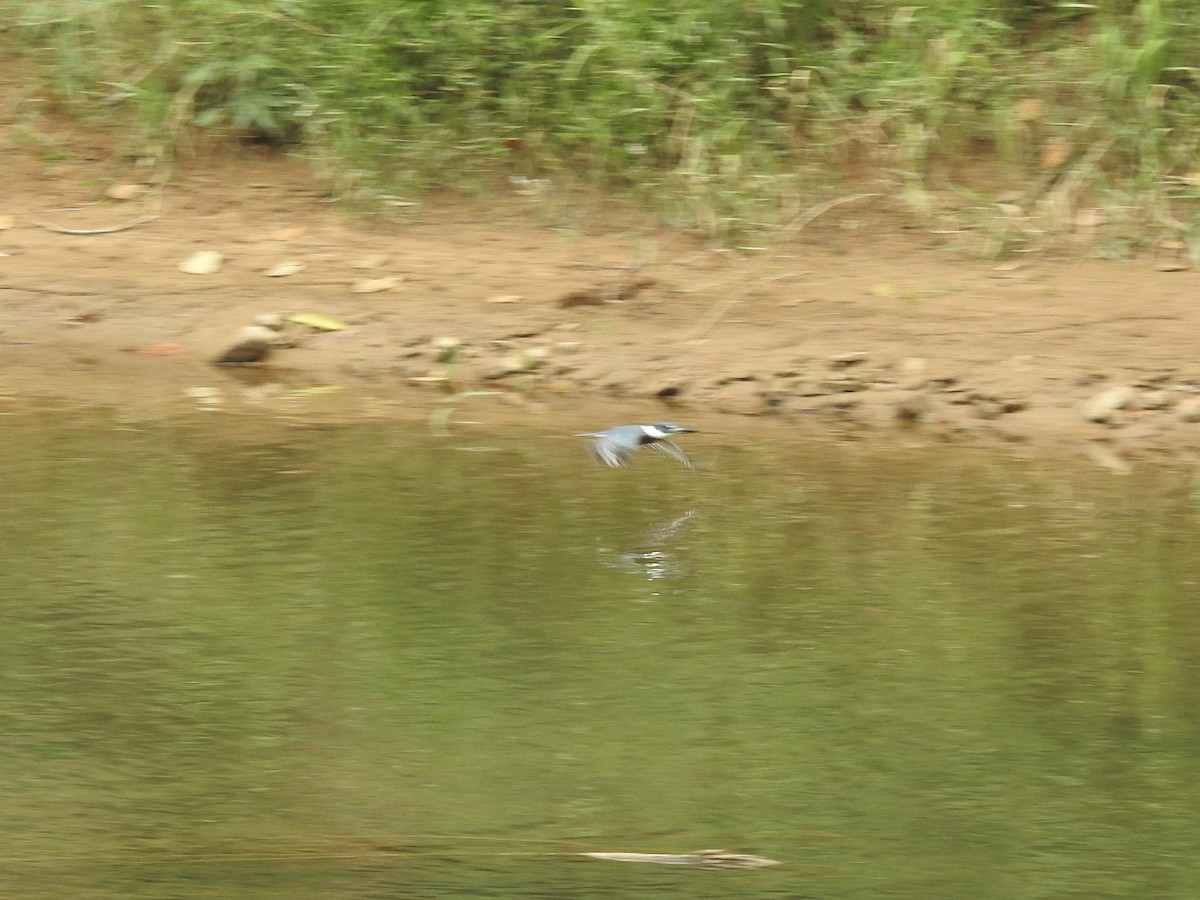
(667, 448)
(606, 454)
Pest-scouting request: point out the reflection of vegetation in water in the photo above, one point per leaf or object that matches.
(916, 671)
(725, 114)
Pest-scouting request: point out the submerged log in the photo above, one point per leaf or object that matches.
(711, 859)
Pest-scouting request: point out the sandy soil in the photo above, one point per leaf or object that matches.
(579, 311)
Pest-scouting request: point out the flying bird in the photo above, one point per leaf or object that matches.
(615, 446)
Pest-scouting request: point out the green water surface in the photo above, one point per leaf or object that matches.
(245, 659)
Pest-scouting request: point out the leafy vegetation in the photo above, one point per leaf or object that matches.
(1019, 120)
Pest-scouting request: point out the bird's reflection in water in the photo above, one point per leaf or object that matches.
(653, 555)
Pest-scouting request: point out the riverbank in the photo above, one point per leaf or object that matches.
(851, 325)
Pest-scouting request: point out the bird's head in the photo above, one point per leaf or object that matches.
(662, 429)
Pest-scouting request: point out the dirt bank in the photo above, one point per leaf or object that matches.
(853, 325)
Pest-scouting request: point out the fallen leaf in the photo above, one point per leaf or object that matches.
(931, 293)
(288, 234)
(125, 191)
(83, 318)
(205, 396)
(506, 298)
(1056, 152)
(373, 261)
(7, 222)
(318, 321)
(202, 262)
(633, 285)
(615, 290)
(279, 270)
(166, 348)
(373, 285)
(316, 390)
(1030, 109)
(580, 298)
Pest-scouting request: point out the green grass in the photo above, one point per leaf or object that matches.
(1009, 121)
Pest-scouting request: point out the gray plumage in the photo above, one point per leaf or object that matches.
(615, 446)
